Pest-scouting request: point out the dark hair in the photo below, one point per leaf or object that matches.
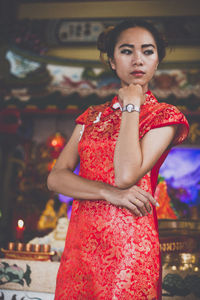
(108, 38)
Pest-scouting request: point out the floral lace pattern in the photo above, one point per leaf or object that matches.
(109, 252)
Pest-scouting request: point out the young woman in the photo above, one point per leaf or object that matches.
(112, 246)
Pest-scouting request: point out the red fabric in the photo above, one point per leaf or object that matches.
(110, 253)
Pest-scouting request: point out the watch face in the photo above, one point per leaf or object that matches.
(129, 107)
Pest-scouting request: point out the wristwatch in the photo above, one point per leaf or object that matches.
(130, 108)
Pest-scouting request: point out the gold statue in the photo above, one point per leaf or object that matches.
(48, 219)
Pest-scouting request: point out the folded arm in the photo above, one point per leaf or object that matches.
(62, 180)
(134, 158)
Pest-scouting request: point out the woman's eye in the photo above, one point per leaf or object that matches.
(148, 52)
(126, 51)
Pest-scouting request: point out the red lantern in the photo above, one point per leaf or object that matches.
(56, 143)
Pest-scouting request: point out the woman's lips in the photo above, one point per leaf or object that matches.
(137, 73)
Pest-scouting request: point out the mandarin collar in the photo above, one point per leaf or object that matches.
(150, 99)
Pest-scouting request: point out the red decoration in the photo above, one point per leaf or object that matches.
(56, 143)
(164, 211)
(9, 121)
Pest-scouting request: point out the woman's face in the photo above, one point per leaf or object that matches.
(135, 57)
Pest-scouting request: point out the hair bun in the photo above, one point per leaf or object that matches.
(102, 41)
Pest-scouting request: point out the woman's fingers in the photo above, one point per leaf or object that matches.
(134, 209)
(143, 202)
(133, 93)
(147, 195)
(134, 199)
(135, 205)
(140, 206)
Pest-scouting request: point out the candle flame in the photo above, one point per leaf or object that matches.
(20, 223)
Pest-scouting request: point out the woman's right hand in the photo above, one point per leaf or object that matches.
(135, 199)
(132, 93)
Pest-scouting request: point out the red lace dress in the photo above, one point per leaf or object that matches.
(111, 254)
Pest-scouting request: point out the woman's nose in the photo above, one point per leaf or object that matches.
(137, 59)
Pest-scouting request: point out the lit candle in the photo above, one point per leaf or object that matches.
(20, 230)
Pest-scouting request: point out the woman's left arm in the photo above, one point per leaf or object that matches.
(132, 160)
(133, 157)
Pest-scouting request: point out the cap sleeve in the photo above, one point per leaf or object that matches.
(182, 130)
(84, 117)
(92, 114)
(167, 115)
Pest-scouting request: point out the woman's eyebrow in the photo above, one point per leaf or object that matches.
(132, 46)
(126, 45)
(148, 45)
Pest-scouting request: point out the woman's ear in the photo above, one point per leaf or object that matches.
(112, 63)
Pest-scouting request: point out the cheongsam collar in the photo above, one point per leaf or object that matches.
(150, 99)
